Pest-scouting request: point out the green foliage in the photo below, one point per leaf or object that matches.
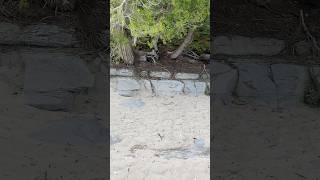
(148, 21)
(201, 41)
(168, 19)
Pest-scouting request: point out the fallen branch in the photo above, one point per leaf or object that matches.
(184, 44)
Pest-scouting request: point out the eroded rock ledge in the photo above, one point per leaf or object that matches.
(276, 85)
(159, 83)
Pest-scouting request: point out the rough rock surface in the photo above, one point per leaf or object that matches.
(50, 79)
(127, 87)
(167, 87)
(224, 82)
(164, 75)
(52, 101)
(275, 85)
(193, 87)
(291, 82)
(186, 76)
(239, 45)
(37, 35)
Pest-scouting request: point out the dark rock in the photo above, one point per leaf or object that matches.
(37, 35)
(55, 71)
(52, 100)
(48, 36)
(256, 85)
(291, 82)
(224, 82)
(50, 79)
(239, 45)
(75, 130)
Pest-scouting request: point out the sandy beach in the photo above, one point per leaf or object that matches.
(160, 137)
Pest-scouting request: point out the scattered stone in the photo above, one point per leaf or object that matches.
(167, 87)
(205, 57)
(187, 76)
(132, 103)
(52, 100)
(163, 75)
(125, 72)
(239, 45)
(114, 139)
(127, 87)
(121, 72)
(198, 144)
(113, 72)
(198, 149)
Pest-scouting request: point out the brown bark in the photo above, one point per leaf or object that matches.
(126, 51)
(182, 46)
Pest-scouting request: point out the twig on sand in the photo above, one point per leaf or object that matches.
(161, 137)
(312, 38)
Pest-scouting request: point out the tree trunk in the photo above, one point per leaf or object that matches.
(184, 44)
(126, 51)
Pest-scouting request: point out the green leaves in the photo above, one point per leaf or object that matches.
(170, 20)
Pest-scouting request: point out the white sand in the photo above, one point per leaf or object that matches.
(177, 120)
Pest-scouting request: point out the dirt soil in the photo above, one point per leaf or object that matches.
(89, 18)
(168, 65)
(278, 19)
